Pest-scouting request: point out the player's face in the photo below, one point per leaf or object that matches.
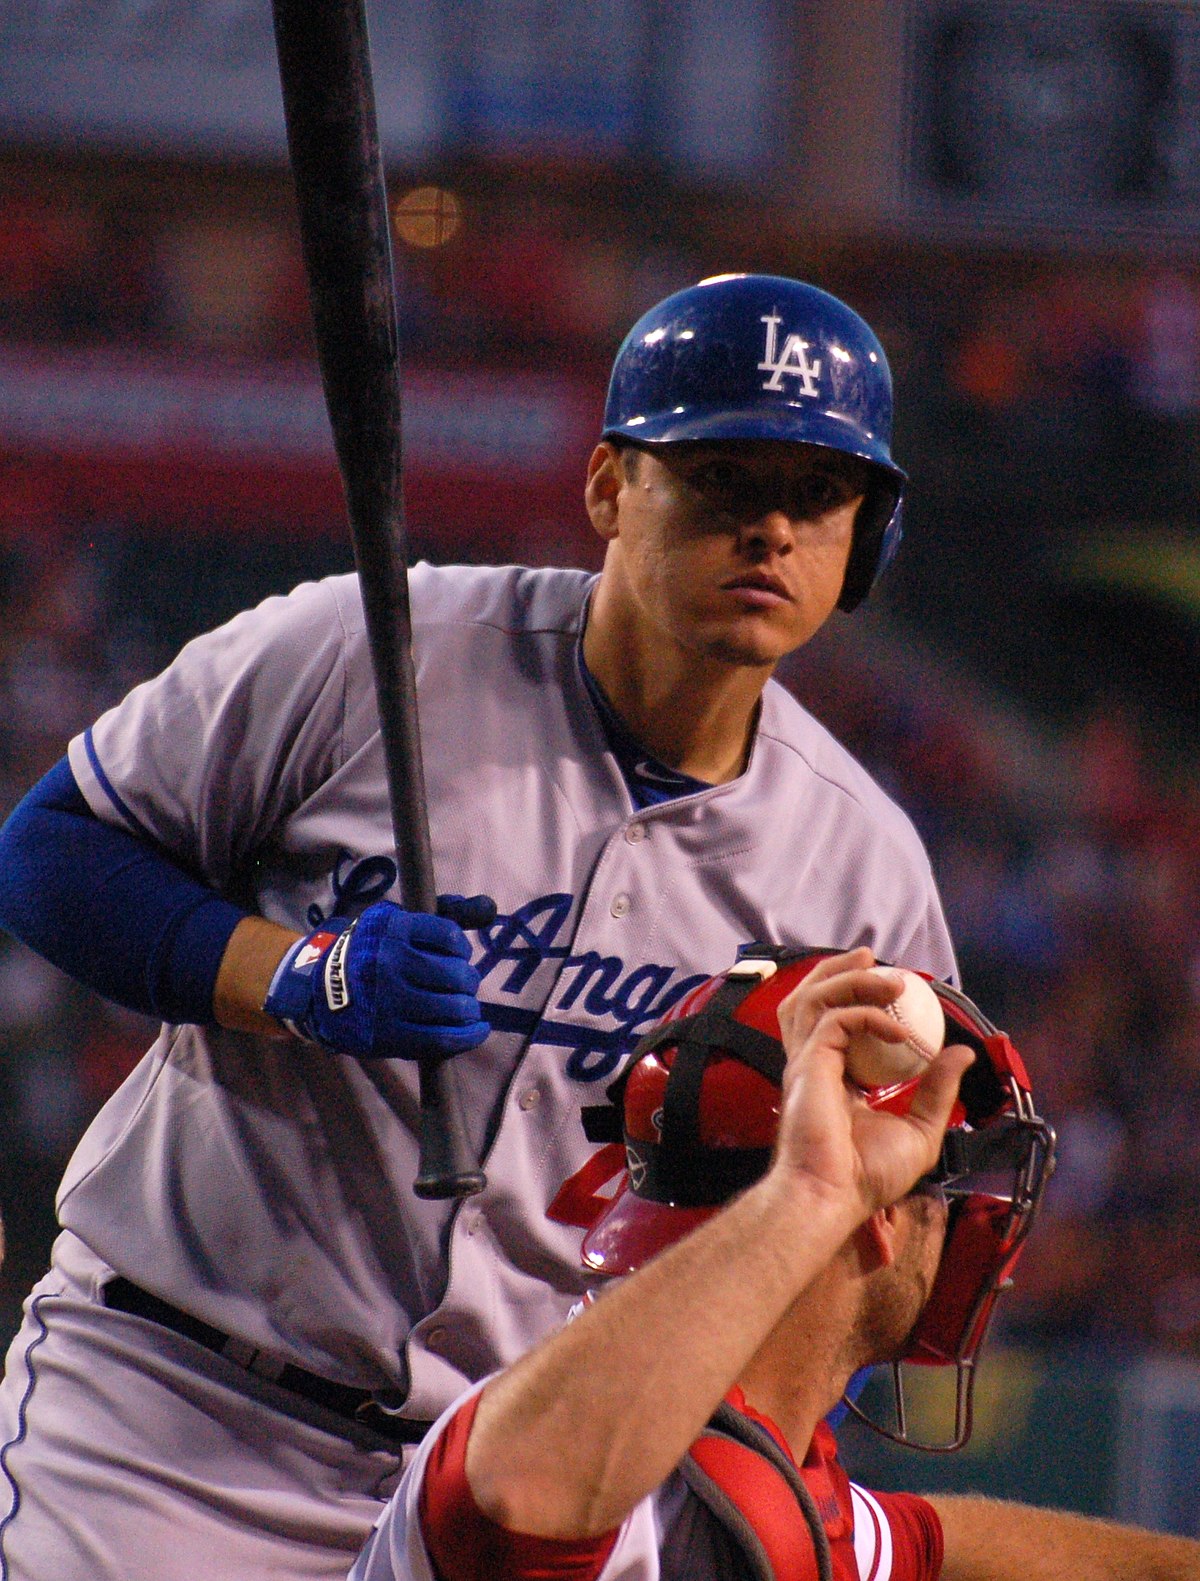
(735, 551)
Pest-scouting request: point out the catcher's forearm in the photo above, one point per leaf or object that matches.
(989, 1540)
(568, 1441)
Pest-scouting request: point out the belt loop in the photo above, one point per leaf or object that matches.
(264, 1365)
(238, 1351)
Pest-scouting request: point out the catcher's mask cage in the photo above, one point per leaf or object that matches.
(762, 357)
(696, 1107)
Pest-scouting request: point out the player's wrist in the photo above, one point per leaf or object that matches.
(250, 961)
(808, 1215)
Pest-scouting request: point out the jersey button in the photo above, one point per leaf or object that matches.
(635, 833)
(529, 1099)
(436, 1338)
(620, 905)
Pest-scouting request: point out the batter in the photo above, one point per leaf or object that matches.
(249, 1315)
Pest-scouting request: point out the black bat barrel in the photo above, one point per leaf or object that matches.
(341, 196)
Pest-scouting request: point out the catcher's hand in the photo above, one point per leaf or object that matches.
(828, 1133)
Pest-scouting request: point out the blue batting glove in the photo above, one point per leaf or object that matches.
(393, 984)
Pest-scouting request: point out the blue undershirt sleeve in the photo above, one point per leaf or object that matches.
(108, 908)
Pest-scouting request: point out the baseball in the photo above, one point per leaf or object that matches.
(870, 1062)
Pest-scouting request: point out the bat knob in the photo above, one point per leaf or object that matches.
(448, 1167)
(438, 1188)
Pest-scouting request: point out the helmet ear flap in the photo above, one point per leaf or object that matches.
(878, 529)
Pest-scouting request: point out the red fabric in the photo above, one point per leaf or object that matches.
(465, 1545)
(580, 1200)
(769, 1505)
(917, 1546)
(738, 1401)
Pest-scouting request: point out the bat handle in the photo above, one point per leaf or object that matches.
(447, 1167)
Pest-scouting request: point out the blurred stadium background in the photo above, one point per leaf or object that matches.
(1008, 191)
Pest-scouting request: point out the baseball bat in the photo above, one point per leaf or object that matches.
(333, 143)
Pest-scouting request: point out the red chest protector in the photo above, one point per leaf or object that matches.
(790, 1524)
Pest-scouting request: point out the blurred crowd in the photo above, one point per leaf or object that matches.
(1069, 864)
(186, 268)
(501, 269)
(1064, 825)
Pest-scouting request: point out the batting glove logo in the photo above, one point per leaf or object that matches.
(392, 984)
(337, 988)
(311, 950)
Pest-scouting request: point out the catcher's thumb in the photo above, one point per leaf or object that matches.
(933, 1101)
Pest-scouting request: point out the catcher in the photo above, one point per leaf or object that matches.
(675, 1428)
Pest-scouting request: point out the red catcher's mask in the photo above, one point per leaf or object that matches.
(692, 1119)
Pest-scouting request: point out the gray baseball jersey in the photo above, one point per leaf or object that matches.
(263, 1185)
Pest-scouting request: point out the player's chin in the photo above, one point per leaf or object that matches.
(756, 644)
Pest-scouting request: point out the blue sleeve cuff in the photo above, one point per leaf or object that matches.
(109, 908)
(182, 973)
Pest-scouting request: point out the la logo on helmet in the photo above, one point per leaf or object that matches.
(793, 359)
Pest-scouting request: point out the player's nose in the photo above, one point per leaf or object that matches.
(772, 531)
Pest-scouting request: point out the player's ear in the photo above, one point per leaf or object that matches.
(605, 479)
(875, 1240)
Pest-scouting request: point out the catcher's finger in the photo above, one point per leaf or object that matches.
(835, 1026)
(840, 980)
(824, 1046)
(896, 1150)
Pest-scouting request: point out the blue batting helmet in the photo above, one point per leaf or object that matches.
(761, 357)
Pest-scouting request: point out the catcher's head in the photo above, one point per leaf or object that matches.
(697, 1109)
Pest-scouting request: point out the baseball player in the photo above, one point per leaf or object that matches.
(249, 1316)
(662, 1434)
